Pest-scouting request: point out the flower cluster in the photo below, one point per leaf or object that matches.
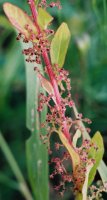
(95, 191)
(40, 44)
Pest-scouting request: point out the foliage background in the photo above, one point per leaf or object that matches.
(86, 62)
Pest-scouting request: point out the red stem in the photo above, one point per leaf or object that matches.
(49, 70)
(34, 14)
(52, 77)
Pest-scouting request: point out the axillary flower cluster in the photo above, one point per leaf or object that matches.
(34, 29)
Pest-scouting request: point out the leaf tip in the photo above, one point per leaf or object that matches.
(6, 7)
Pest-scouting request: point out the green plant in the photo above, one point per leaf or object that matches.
(86, 158)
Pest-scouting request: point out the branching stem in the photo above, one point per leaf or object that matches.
(49, 70)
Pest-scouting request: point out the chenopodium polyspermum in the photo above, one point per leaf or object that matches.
(51, 51)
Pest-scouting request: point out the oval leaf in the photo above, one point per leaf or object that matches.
(18, 18)
(97, 155)
(59, 45)
(44, 18)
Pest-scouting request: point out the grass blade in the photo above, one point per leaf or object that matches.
(36, 152)
(13, 164)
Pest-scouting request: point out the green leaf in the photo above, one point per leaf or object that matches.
(44, 18)
(36, 152)
(18, 18)
(37, 162)
(59, 45)
(13, 164)
(97, 155)
(37, 156)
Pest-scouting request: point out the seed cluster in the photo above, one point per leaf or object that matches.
(45, 5)
(40, 43)
(57, 114)
(95, 191)
(79, 174)
(76, 178)
(54, 122)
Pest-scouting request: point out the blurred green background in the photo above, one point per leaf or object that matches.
(86, 61)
